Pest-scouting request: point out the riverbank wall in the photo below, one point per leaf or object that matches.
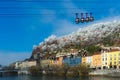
(106, 72)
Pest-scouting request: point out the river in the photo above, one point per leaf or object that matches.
(25, 77)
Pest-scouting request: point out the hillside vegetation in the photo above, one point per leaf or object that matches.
(90, 38)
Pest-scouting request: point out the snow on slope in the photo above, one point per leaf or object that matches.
(94, 31)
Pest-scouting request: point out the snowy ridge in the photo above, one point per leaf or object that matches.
(92, 32)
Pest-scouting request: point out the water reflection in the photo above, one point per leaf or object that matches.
(104, 78)
(25, 77)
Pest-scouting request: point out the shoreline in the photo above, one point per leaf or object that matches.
(106, 73)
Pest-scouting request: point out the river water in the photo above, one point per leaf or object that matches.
(25, 77)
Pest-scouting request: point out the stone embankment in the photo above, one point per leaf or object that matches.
(106, 72)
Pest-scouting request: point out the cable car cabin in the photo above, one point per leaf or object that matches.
(87, 18)
(91, 18)
(77, 19)
(82, 18)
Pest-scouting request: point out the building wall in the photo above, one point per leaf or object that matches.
(104, 55)
(83, 59)
(54, 63)
(59, 62)
(26, 64)
(72, 61)
(89, 60)
(17, 64)
(46, 63)
(114, 59)
(96, 60)
(49, 63)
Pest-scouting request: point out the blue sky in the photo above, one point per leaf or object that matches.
(24, 23)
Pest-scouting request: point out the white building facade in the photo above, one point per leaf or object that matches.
(89, 60)
(104, 59)
(25, 65)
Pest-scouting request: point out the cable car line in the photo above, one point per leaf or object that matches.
(55, 1)
(17, 7)
(38, 13)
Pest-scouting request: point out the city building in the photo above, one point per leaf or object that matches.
(72, 60)
(59, 60)
(104, 54)
(89, 60)
(97, 60)
(24, 66)
(114, 59)
(84, 59)
(46, 63)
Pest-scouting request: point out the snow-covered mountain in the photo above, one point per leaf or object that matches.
(88, 35)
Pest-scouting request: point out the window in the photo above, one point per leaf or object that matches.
(119, 54)
(103, 59)
(110, 55)
(110, 63)
(106, 59)
(110, 58)
(114, 55)
(114, 58)
(106, 63)
(115, 62)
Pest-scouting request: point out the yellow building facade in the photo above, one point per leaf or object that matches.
(114, 59)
